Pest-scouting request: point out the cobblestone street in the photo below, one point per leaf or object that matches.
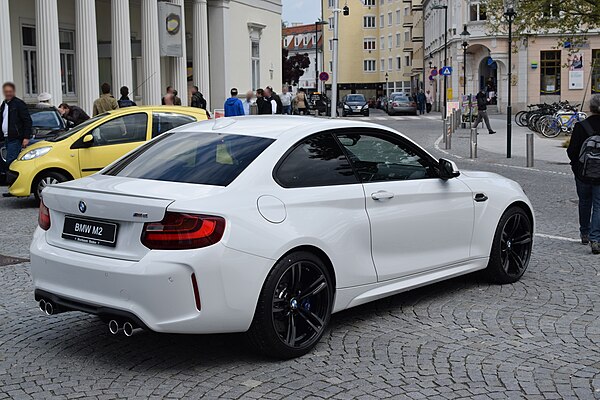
(464, 338)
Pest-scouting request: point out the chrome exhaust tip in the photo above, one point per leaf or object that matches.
(49, 308)
(42, 305)
(128, 329)
(113, 327)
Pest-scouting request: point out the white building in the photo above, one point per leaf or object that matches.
(68, 48)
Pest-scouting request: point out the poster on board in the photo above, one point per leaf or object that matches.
(576, 71)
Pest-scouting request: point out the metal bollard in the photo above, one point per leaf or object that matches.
(473, 143)
(448, 141)
(530, 149)
(445, 130)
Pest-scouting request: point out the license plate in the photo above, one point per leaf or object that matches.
(90, 231)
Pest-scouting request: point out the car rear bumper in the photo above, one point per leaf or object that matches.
(404, 109)
(156, 292)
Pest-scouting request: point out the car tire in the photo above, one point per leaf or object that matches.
(289, 320)
(366, 114)
(44, 179)
(511, 249)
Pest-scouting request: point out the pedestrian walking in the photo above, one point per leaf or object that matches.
(106, 102)
(168, 91)
(482, 111)
(584, 153)
(233, 105)
(286, 100)
(428, 100)
(198, 99)
(262, 103)
(73, 114)
(247, 103)
(421, 100)
(125, 101)
(15, 126)
(301, 102)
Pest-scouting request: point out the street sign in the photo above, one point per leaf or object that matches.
(323, 76)
(446, 71)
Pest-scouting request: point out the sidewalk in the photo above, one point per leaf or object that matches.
(544, 149)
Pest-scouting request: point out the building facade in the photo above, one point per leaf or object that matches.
(380, 42)
(543, 70)
(68, 48)
(305, 39)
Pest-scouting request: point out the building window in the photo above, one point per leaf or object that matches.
(369, 21)
(595, 71)
(390, 19)
(67, 61)
(398, 39)
(398, 17)
(477, 12)
(330, 23)
(330, 65)
(296, 41)
(330, 44)
(390, 41)
(29, 59)
(550, 72)
(369, 2)
(407, 60)
(331, 3)
(369, 65)
(407, 36)
(255, 54)
(381, 20)
(382, 43)
(382, 64)
(390, 64)
(369, 44)
(398, 62)
(305, 40)
(406, 11)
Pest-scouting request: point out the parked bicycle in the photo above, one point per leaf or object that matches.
(550, 119)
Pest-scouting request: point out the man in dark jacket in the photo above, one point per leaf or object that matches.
(262, 103)
(15, 123)
(198, 99)
(73, 114)
(275, 96)
(482, 111)
(588, 190)
(125, 101)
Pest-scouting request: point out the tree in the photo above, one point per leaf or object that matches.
(293, 66)
(571, 20)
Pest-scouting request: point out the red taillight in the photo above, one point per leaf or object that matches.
(413, 104)
(44, 216)
(394, 104)
(183, 231)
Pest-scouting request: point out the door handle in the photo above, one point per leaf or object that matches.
(480, 197)
(382, 195)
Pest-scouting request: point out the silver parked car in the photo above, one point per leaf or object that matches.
(401, 103)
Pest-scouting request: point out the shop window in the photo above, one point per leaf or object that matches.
(596, 71)
(550, 72)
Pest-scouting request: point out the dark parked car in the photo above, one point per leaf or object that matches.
(354, 104)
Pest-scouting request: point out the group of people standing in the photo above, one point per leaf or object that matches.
(266, 101)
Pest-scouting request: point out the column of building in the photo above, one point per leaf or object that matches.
(122, 71)
(86, 53)
(150, 80)
(179, 67)
(200, 43)
(6, 69)
(48, 49)
(218, 14)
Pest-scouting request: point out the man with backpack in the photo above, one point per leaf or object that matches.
(584, 153)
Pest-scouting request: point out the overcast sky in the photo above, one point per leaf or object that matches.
(305, 11)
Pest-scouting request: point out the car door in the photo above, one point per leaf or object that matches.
(418, 221)
(165, 121)
(111, 140)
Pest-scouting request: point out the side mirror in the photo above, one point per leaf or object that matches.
(448, 169)
(88, 140)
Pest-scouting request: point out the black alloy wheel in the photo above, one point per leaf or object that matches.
(294, 307)
(512, 246)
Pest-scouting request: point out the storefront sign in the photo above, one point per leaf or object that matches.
(576, 71)
(170, 34)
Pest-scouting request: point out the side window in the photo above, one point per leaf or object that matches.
(318, 161)
(162, 122)
(378, 158)
(126, 129)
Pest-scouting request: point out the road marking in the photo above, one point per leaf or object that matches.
(546, 236)
(437, 147)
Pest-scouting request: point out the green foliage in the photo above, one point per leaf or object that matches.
(293, 66)
(570, 20)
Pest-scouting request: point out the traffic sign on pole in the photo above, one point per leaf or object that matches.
(446, 71)
(324, 76)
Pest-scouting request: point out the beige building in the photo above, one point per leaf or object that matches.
(69, 47)
(542, 69)
(380, 41)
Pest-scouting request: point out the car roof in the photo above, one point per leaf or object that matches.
(158, 108)
(275, 126)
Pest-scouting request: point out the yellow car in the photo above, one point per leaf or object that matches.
(93, 145)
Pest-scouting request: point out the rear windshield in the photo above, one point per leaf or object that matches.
(205, 158)
(355, 97)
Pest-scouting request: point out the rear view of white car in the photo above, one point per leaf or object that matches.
(269, 225)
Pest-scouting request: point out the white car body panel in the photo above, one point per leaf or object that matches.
(431, 230)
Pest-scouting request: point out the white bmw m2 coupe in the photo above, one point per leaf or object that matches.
(269, 225)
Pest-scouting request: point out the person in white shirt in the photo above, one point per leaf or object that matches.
(286, 100)
(247, 103)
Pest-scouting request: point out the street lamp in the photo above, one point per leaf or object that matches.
(510, 14)
(318, 23)
(445, 8)
(334, 81)
(464, 36)
(386, 84)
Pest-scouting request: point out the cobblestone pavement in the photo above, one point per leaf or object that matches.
(464, 338)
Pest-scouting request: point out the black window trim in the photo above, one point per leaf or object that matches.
(78, 144)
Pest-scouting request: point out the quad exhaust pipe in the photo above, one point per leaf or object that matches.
(128, 328)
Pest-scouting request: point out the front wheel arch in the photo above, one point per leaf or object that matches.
(46, 171)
